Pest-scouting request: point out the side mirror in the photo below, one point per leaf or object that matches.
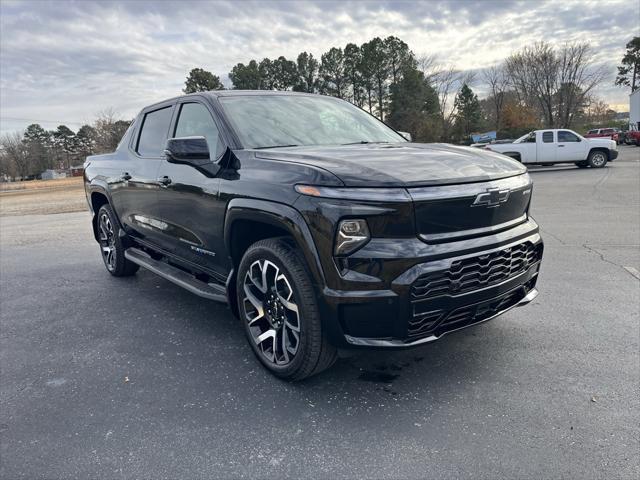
(406, 135)
(192, 151)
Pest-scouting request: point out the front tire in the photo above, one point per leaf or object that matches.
(111, 246)
(597, 159)
(279, 311)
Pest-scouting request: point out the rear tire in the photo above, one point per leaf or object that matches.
(278, 308)
(582, 164)
(597, 159)
(111, 246)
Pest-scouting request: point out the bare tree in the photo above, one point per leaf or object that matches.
(429, 66)
(598, 112)
(108, 130)
(446, 83)
(557, 83)
(533, 73)
(498, 84)
(576, 79)
(15, 155)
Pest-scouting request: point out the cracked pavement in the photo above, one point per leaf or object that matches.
(136, 378)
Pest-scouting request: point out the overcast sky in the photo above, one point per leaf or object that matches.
(63, 62)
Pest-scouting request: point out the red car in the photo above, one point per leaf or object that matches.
(633, 138)
(611, 133)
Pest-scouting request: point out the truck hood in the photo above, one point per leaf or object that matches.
(400, 164)
(601, 142)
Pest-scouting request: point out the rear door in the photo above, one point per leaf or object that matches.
(547, 148)
(189, 199)
(570, 147)
(135, 194)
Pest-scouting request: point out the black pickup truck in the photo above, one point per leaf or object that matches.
(320, 226)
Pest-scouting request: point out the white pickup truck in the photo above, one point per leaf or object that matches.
(559, 146)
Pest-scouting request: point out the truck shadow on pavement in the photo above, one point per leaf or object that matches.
(207, 335)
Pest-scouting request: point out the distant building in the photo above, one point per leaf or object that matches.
(77, 171)
(622, 116)
(634, 110)
(52, 174)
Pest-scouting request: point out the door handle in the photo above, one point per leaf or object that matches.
(125, 176)
(164, 180)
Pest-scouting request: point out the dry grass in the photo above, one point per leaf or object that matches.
(58, 183)
(42, 197)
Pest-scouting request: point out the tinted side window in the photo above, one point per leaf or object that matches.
(196, 121)
(153, 135)
(547, 137)
(564, 136)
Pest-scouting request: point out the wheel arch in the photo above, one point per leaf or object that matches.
(248, 221)
(599, 149)
(98, 195)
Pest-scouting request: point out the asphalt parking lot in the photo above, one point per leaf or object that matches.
(135, 378)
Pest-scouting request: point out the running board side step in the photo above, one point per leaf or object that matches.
(181, 278)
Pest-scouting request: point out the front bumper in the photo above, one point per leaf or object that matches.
(374, 342)
(613, 154)
(478, 287)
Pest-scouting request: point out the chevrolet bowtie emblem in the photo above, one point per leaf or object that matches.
(493, 197)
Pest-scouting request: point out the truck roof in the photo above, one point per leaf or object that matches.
(234, 93)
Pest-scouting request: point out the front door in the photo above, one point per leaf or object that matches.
(570, 147)
(189, 199)
(135, 192)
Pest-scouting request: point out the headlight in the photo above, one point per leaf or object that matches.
(352, 234)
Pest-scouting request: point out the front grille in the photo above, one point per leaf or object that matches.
(477, 313)
(424, 323)
(477, 272)
(431, 323)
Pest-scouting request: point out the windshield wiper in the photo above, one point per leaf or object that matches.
(361, 142)
(276, 146)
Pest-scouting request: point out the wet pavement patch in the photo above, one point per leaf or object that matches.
(378, 377)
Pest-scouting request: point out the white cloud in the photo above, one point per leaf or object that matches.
(64, 62)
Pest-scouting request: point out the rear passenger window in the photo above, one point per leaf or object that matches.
(565, 136)
(153, 135)
(547, 137)
(196, 121)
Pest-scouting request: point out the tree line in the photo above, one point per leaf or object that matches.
(28, 154)
(539, 86)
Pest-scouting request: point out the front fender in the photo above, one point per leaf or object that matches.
(278, 215)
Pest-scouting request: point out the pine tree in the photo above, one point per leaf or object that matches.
(200, 80)
(414, 105)
(468, 113)
(629, 71)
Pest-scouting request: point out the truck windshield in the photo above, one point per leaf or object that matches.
(529, 137)
(267, 121)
